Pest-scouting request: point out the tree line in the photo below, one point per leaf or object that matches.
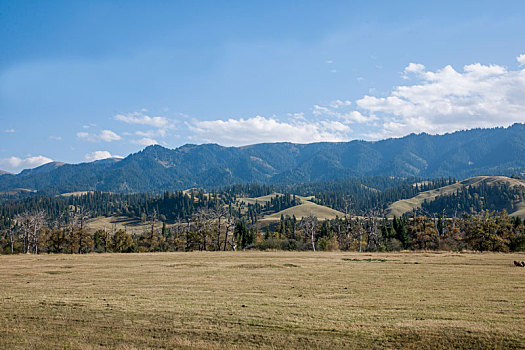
(216, 229)
(363, 193)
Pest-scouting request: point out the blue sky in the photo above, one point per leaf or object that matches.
(85, 80)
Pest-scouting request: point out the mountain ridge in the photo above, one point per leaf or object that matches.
(461, 154)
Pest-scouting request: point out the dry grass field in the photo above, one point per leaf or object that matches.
(262, 300)
(304, 209)
(115, 223)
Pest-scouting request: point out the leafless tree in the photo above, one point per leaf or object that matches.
(201, 223)
(82, 215)
(217, 215)
(230, 223)
(12, 233)
(309, 224)
(31, 223)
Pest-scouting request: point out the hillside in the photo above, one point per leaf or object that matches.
(401, 207)
(306, 208)
(497, 151)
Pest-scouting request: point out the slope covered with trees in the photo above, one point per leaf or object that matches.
(460, 154)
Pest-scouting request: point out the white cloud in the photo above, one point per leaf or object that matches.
(521, 59)
(108, 136)
(152, 133)
(9, 131)
(340, 110)
(104, 135)
(340, 103)
(56, 138)
(146, 141)
(142, 119)
(413, 68)
(16, 163)
(98, 155)
(447, 100)
(236, 132)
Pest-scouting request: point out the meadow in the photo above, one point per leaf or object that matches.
(262, 300)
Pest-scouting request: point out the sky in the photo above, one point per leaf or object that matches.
(87, 80)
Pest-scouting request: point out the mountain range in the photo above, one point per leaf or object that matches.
(495, 151)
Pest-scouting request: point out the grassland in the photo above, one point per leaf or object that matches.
(406, 205)
(115, 223)
(304, 209)
(262, 300)
(260, 200)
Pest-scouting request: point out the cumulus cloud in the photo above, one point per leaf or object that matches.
(340, 110)
(160, 124)
(340, 103)
(236, 132)
(141, 119)
(521, 59)
(99, 155)
(104, 135)
(9, 131)
(146, 141)
(152, 133)
(16, 163)
(447, 100)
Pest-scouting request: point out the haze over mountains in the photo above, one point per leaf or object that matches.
(497, 151)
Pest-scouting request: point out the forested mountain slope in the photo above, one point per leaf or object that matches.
(461, 154)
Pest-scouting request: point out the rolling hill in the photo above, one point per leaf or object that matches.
(307, 207)
(304, 209)
(407, 205)
(497, 151)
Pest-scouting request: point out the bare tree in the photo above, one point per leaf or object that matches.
(309, 224)
(12, 232)
(217, 214)
(31, 223)
(201, 226)
(82, 215)
(230, 223)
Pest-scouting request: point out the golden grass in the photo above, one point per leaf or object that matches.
(116, 223)
(261, 200)
(262, 300)
(77, 193)
(406, 205)
(304, 209)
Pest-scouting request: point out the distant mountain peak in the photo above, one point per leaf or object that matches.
(45, 168)
(462, 154)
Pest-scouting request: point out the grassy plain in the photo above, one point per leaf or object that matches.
(262, 300)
